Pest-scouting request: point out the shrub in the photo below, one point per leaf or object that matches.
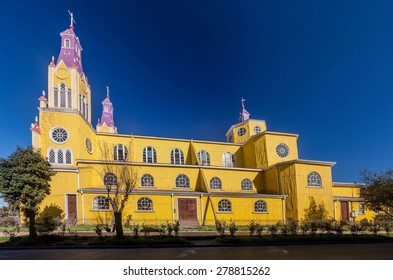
(176, 228)
(338, 228)
(251, 227)
(305, 227)
(364, 225)
(315, 212)
(135, 230)
(12, 233)
(45, 224)
(328, 226)
(354, 228)
(232, 228)
(293, 226)
(258, 229)
(273, 229)
(169, 227)
(128, 221)
(374, 229)
(220, 226)
(387, 227)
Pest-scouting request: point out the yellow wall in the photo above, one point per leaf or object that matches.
(320, 194)
(243, 212)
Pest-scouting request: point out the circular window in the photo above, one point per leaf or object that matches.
(215, 183)
(59, 135)
(182, 181)
(147, 180)
(241, 131)
(314, 180)
(260, 206)
(110, 179)
(89, 145)
(282, 150)
(257, 129)
(246, 185)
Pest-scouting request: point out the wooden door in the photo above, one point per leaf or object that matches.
(188, 211)
(71, 209)
(344, 211)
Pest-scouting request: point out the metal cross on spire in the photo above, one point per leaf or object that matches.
(72, 19)
(243, 101)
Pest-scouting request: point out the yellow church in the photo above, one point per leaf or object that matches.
(256, 174)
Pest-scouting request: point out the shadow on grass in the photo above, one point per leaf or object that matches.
(56, 240)
(302, 239)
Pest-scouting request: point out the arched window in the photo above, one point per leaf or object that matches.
(69, 98)
(204, 157)
(67, 43)
(149, 155)
(120, 152)
(100, 203)
(215, 183)
(110, 179)
(56, 96)
(62, 96)
(228, 159)
(314, 180)
(182, 181)
(177, 156)
(224, 205)
(246, 185)
(60, 157)
(147, 180)
(51, 156)
(145, 204)
(68, 157)
(260, 206)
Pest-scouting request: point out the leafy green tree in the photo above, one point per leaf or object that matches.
(24, 182)
(314, 212)
(378, 190)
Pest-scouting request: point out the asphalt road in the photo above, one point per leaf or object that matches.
(365, 251)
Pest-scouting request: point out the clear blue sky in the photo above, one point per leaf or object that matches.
(321, 69)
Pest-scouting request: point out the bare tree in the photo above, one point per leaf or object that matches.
(119, 179)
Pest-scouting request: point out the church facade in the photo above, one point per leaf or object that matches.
(255, 175)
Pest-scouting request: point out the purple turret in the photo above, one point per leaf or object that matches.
(107, 115)
(71, 49)
(244, 115)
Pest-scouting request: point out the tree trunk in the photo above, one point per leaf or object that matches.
(32, 228)
(118, 224)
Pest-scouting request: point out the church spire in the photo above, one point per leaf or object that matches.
(106, 124)
(71, 49)
(244, 115)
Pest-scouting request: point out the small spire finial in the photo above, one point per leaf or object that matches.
(53, 58)
(244, 115)
(72, 19)
(243, 102)
(107, 91)
(43, 93)
(36, 119)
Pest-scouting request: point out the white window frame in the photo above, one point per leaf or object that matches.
(227, 208)
(204, 157)
(314, 180)
(177, 156)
